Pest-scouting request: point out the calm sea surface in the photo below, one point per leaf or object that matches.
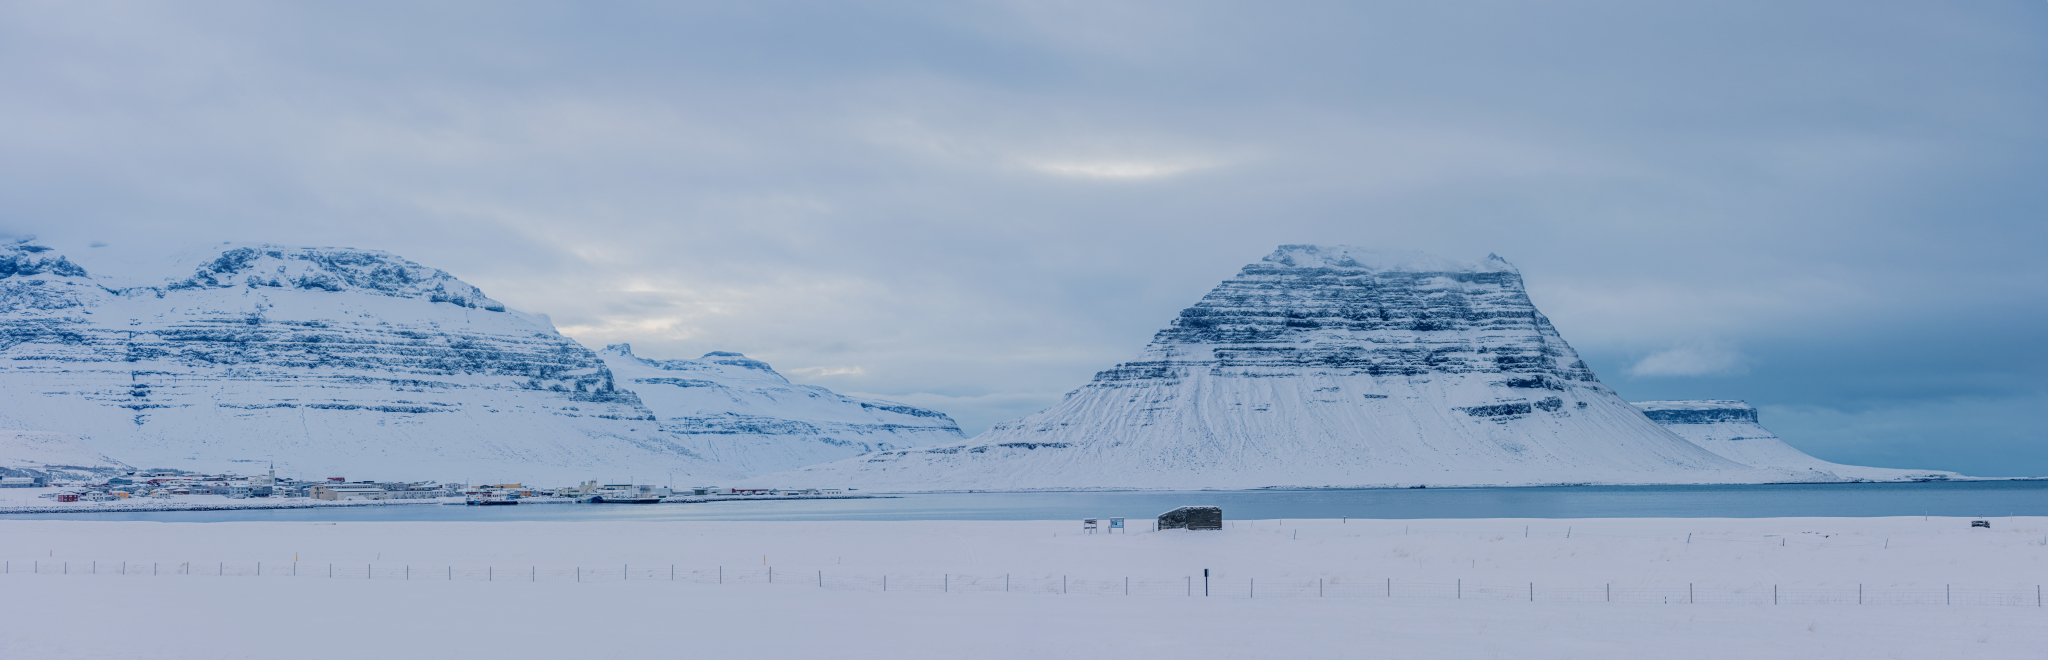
(1982, 498)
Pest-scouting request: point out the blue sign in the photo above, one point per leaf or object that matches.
(1116, 523)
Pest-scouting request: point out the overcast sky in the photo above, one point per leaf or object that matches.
(1834, 211)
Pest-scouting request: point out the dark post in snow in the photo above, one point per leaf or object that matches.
(1205, 582)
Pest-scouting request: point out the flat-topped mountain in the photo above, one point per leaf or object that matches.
(1730, 429)
(739, 412)
(1328, 367)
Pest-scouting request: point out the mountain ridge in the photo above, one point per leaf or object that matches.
(740, 412)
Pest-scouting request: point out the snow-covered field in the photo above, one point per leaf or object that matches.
(605, 589)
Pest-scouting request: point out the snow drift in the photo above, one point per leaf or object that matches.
(1329, 367)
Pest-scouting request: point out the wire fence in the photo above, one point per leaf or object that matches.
(1185, 586)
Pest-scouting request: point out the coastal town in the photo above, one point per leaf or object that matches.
(174, 490)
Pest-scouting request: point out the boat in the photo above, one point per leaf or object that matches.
(624, 494)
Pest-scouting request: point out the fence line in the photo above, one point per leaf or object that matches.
(1184, 586)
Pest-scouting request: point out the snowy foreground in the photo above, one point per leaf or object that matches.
(1295, 588)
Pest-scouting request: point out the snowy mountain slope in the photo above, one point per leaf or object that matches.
(741, 413)
(1327, 366)
(30, 454)
(1730, 429)
(329, 361)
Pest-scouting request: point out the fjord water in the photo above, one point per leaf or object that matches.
(1965, 498)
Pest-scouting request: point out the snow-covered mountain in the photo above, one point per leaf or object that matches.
(329, 361)
(737, 411)
(1327, 367)
(1730, 429)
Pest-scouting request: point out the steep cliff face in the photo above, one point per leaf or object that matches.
(740, 412)
(331, 362)
(1327, 366)
(1731, 429)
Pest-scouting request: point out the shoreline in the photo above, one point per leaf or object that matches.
(1581, 484)
(304, 503)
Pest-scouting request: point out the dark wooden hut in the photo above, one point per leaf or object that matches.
(1192, 517)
